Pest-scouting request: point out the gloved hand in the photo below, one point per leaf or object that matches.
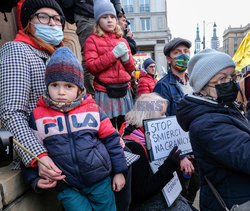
(120, 49)
(125, 57)
(172, 163)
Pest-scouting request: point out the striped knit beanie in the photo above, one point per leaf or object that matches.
(64, 66)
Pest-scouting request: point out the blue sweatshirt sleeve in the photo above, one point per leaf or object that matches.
(30, 177)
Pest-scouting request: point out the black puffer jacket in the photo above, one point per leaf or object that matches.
(145, 184)
(220, 138)
(85, 7)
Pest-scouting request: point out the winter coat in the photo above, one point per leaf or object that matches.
(169, 89)
(220, 138)
(102, 63)
(248, 110)
(145, 184)
(22, 68)
(132, 44)
(146, 83)
(86, 7)
(81, 142)
(83, 7)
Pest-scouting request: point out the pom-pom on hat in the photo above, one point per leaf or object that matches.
(64, 66)
(148, 62)
(103, 7)
(29, 7)
(205, 65)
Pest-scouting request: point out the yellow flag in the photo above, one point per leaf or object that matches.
(242, 55)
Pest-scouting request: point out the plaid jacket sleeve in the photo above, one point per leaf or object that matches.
(15, 97)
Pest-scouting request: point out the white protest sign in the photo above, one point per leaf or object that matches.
(173, 188)
(164, 134)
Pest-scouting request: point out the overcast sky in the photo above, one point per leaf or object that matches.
(183, 17)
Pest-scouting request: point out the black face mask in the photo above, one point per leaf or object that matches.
(227, 92)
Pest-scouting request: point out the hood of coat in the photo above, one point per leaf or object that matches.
(192, 107)
(22, 37)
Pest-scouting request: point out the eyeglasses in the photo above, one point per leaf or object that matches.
(152, 66)
(45, 18)
(224, 79)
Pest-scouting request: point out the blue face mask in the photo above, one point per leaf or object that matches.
(50, 34)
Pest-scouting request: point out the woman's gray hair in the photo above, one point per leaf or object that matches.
(147, 106)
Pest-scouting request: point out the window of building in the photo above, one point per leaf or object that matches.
(226, 50)
(235, 44)
(145, 24)
(128, 6)
(144, 6)
(131, 25)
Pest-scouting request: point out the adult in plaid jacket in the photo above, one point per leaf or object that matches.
(22, 67)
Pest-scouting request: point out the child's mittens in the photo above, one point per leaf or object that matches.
(125, 57)
(120, 50)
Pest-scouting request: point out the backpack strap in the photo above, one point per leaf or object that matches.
(99, 82)
(129, 137)
(216, 194)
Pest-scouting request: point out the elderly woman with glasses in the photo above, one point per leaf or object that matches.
(147, 78)
(219, 133)
(22, 67)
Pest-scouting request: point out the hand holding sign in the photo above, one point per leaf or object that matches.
(162, 135)
(173, 188)
(172, 163)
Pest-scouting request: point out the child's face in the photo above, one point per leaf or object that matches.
(107, 23)
(61, 91)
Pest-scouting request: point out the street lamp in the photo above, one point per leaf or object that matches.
(204, 33)
(169, 36)
(204, 42)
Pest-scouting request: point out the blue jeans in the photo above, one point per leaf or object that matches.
(98, 197)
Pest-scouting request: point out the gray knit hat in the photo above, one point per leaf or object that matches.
(103, 7)
(204, 66)
(29, 7)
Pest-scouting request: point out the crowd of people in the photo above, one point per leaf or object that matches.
(68, 114)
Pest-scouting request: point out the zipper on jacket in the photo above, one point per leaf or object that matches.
(73, 148)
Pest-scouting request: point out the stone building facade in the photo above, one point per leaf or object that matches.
(148, 21)
(232, 38)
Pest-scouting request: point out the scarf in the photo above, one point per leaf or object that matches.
(22, 37)
(63, 107)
